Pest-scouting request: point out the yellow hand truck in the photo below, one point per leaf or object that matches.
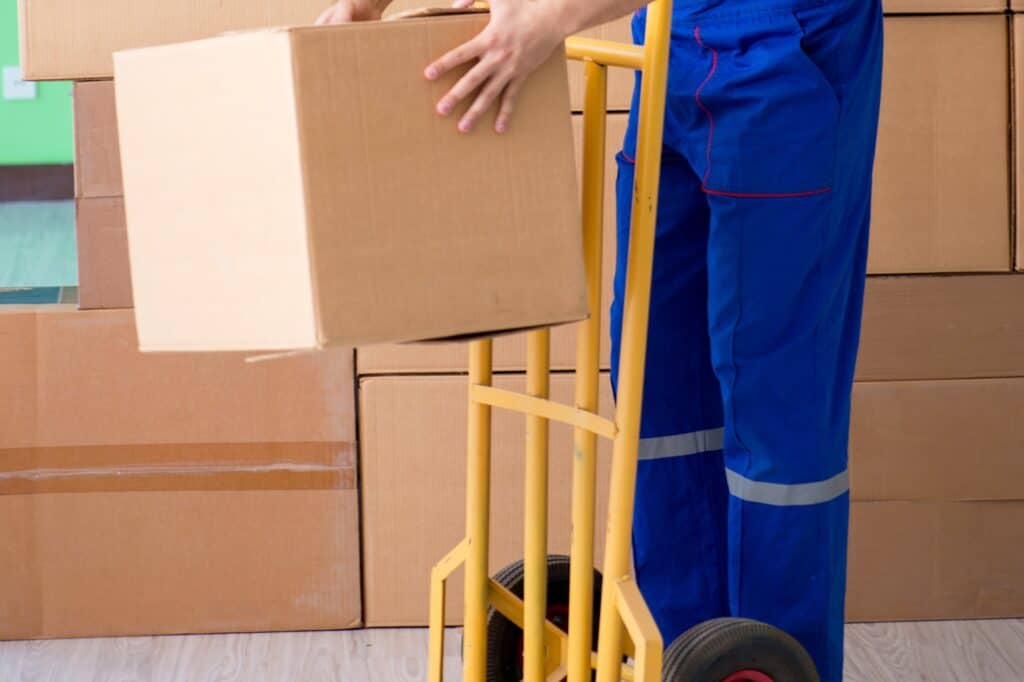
(550, 653)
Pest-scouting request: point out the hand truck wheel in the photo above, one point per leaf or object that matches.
(737, 650)
(505, 639)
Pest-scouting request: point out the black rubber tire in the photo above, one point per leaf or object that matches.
(716, 649)
(504, 638)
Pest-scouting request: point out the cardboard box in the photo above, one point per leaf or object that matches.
(510, 350)
(380, 221)
(71, 40)
(935, 441)
(413, 435)
(941, 191)
(925, 557)
(935, 561)
(104, 280)
(97, 154)
(942, 328)
(1018, 70)
(145, 494)
(943, 6)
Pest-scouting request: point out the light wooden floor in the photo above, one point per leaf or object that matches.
(977, 651)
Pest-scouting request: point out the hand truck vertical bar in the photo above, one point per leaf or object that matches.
(535, 543)
(634, 339)
(478, 517)
(588, 368)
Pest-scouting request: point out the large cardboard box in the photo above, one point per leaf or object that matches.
(104, 280)
(946, 543)
(938, 441)
(97, 154)
(510, 350)
(942, 6)
(942, 198)
(71, 40)
(150, 494)
(377, 219)
(935, 561)
(942, 328)
(413, 453)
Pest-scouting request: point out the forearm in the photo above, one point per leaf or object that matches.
(579, 15)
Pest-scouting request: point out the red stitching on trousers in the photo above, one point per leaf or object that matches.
(711, 138)
(707, 112)
(628, 158)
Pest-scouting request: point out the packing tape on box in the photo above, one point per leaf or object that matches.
(178, 467)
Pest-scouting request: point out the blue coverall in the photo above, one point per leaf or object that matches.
(760, 254)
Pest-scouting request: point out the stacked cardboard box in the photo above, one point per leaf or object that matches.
(147, 494)
(937, 500)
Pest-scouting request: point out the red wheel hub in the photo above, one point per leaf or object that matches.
(748, 676)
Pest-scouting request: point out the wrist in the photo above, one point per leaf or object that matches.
(566, 18)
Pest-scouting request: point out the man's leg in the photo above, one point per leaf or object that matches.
(791, 116)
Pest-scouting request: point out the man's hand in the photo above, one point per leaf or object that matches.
(520, 36)
(346, 11)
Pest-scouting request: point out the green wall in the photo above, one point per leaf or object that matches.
(32, 131)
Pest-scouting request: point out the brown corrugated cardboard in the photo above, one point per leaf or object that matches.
(941, 188)
(145, 494)
(378, 219)
(942, 328)
(70, 40)
(97, 156)
(413, 432)
(413, 456)
(140, 563)
(942, 6)
(103, 277)
(510, 351)
(935, 560)
(957, 440)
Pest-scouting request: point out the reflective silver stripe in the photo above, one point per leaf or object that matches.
(782, 495)
(681, 444)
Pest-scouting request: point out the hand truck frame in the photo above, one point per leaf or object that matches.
(548, 653)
